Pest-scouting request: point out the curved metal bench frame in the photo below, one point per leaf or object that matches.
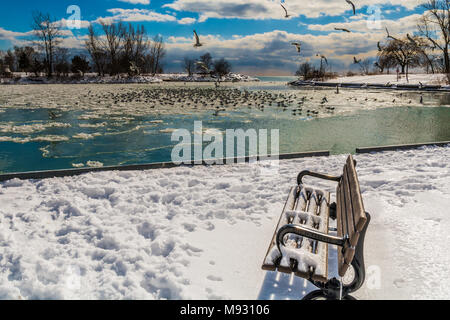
(332, 289)
(352, 224)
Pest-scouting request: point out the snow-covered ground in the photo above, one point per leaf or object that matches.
(202, 233)
(231, 77)
(425, 79)
(21, 78)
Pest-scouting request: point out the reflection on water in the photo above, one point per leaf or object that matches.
(37, 143)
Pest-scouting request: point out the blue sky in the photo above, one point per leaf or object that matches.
(254, 34)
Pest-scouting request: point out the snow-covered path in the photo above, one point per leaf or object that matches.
(202, 233)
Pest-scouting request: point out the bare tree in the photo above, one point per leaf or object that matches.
(434, 25)
(365, 66)
(402, 51)
(62, 65)
(10, 60)
(157, 53)
(305, 70)
(423, 49)
(189, 66)
(135, 46)
(47, 32)
(79, 65)
(385, 62)
(24, 57)
(206, 63)
(95, 48)
(114, 33)
(222, 67)
(2, 61)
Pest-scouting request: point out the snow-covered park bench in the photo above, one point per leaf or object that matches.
(301, 240)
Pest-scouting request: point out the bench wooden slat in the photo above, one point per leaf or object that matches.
(340, 230)
(348, 207)
(324, 277)
(359, 214)
(349, 253)
(352, 232)
(341, 219)
(342, 225)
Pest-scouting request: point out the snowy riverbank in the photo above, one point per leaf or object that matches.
(414, 79)
(125, 79)
(202, 233)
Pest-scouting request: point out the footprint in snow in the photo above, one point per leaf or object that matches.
(399, 283)
(214, 278)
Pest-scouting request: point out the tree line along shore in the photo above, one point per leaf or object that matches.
(112, 53)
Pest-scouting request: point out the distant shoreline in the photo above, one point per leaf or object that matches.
(417, 82)
(21, 79)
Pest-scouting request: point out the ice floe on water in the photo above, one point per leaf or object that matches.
(202, 232)
(92, 125)
(94, 164)
(86, 136)
(31, 128)
(45, 138)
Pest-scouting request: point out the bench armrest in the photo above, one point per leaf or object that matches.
(317, 175)
(307, 233)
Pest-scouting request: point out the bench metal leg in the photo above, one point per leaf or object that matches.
(320, 295)
(331, 289)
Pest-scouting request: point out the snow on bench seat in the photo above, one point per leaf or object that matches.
(310, 208)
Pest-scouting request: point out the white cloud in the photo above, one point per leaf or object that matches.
(271, 9)
(142, 15)
(136, 1)
(12, 35)
(400, 26)
(64, 23)
(187, 21)
(272, 51)
(261, 52)
(135, 15)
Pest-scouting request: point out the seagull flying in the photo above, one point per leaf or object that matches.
(197, 40)
(356, 61)
(322, 57)
(285, 10)
(202, 66)
(353, 6)
(342, 29)
(376, 64)
(298, 46)
(379, 46)
(411, 39)
(387, 32)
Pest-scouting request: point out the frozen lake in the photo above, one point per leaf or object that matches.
(62, 126)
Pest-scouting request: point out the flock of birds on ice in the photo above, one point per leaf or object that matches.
(311, 103)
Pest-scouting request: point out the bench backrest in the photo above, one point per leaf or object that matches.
(351, 217)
